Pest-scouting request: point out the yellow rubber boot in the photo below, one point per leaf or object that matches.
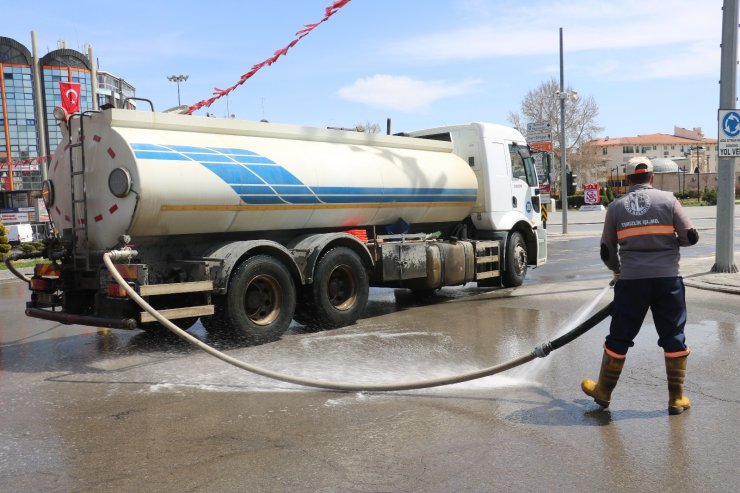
(611, 368)
(675, 368)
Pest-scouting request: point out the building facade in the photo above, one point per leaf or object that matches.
(688, 148)
(19, 150)
(685, 162)
(114, 91)
(63, 65)
(27, 124)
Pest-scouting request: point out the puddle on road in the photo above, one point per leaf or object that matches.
(438, 340)
(434, 341)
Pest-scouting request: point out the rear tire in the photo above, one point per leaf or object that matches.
(516, 261)
(339, 293)
(261, 299)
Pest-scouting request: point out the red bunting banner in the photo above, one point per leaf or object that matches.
(307, 28)
(30, 164)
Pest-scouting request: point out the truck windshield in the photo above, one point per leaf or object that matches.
(522, 164)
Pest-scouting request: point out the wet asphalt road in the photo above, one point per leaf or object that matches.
(85, 409)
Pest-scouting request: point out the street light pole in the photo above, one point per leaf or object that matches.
(562, 95)
(563, 163)
(177, 79)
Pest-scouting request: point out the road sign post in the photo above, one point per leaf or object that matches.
(729, 128)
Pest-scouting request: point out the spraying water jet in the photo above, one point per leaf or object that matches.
(540, 351)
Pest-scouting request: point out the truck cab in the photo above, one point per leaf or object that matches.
(508, 198)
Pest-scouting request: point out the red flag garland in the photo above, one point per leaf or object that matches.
(24, 164)
(307, 28)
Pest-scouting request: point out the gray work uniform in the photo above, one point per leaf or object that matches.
(643, 231)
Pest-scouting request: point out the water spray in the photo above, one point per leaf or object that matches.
(538, 352)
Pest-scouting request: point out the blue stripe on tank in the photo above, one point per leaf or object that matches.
(259, 180)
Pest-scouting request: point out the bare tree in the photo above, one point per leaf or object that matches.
(371, 128)
(543, 105)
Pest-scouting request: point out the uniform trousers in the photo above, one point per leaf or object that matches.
(666, 299)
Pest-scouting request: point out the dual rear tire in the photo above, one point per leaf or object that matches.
(339, 293)
(262, 299)
(259, 304)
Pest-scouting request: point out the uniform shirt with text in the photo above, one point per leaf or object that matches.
(643, 231)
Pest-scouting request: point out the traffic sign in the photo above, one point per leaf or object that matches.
(541, 146)
(539, 132)
(729, 133)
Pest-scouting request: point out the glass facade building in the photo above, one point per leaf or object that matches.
(19, 150)
(57, 66)
(21, 134)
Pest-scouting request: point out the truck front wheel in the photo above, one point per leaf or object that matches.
(516, 261)
(261, 299)
(339, 293)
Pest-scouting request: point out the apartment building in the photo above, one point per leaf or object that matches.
(688, 148)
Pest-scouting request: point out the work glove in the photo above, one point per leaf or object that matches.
(614, 280)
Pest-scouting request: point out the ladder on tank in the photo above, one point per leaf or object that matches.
(80, 255)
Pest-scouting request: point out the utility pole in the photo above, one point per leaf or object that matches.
(563, 159)
(724, 256)
(40, 117)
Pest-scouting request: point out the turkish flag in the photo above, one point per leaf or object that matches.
(70, 96)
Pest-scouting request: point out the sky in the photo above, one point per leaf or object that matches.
(648, 64)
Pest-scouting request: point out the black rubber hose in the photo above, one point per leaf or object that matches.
(593, 320)
(20, 256)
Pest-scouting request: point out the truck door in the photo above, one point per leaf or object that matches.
(525, 193)
(524, 184)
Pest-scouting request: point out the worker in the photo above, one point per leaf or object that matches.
(643, 231)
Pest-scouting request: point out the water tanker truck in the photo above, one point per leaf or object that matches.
(250, 225)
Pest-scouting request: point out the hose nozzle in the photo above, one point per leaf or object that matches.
(542, 350)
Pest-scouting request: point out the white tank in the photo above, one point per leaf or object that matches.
(177, 174)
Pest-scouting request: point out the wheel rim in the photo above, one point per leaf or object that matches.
(262, 300)
(342, 288)
(520, 258)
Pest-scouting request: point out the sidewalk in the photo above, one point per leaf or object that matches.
(702, 277)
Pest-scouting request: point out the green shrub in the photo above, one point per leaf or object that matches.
(575, 201)
(610, 195)
(709, 196)
(4, 241)
(607, 196)
(681, 195)
(32, 246)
